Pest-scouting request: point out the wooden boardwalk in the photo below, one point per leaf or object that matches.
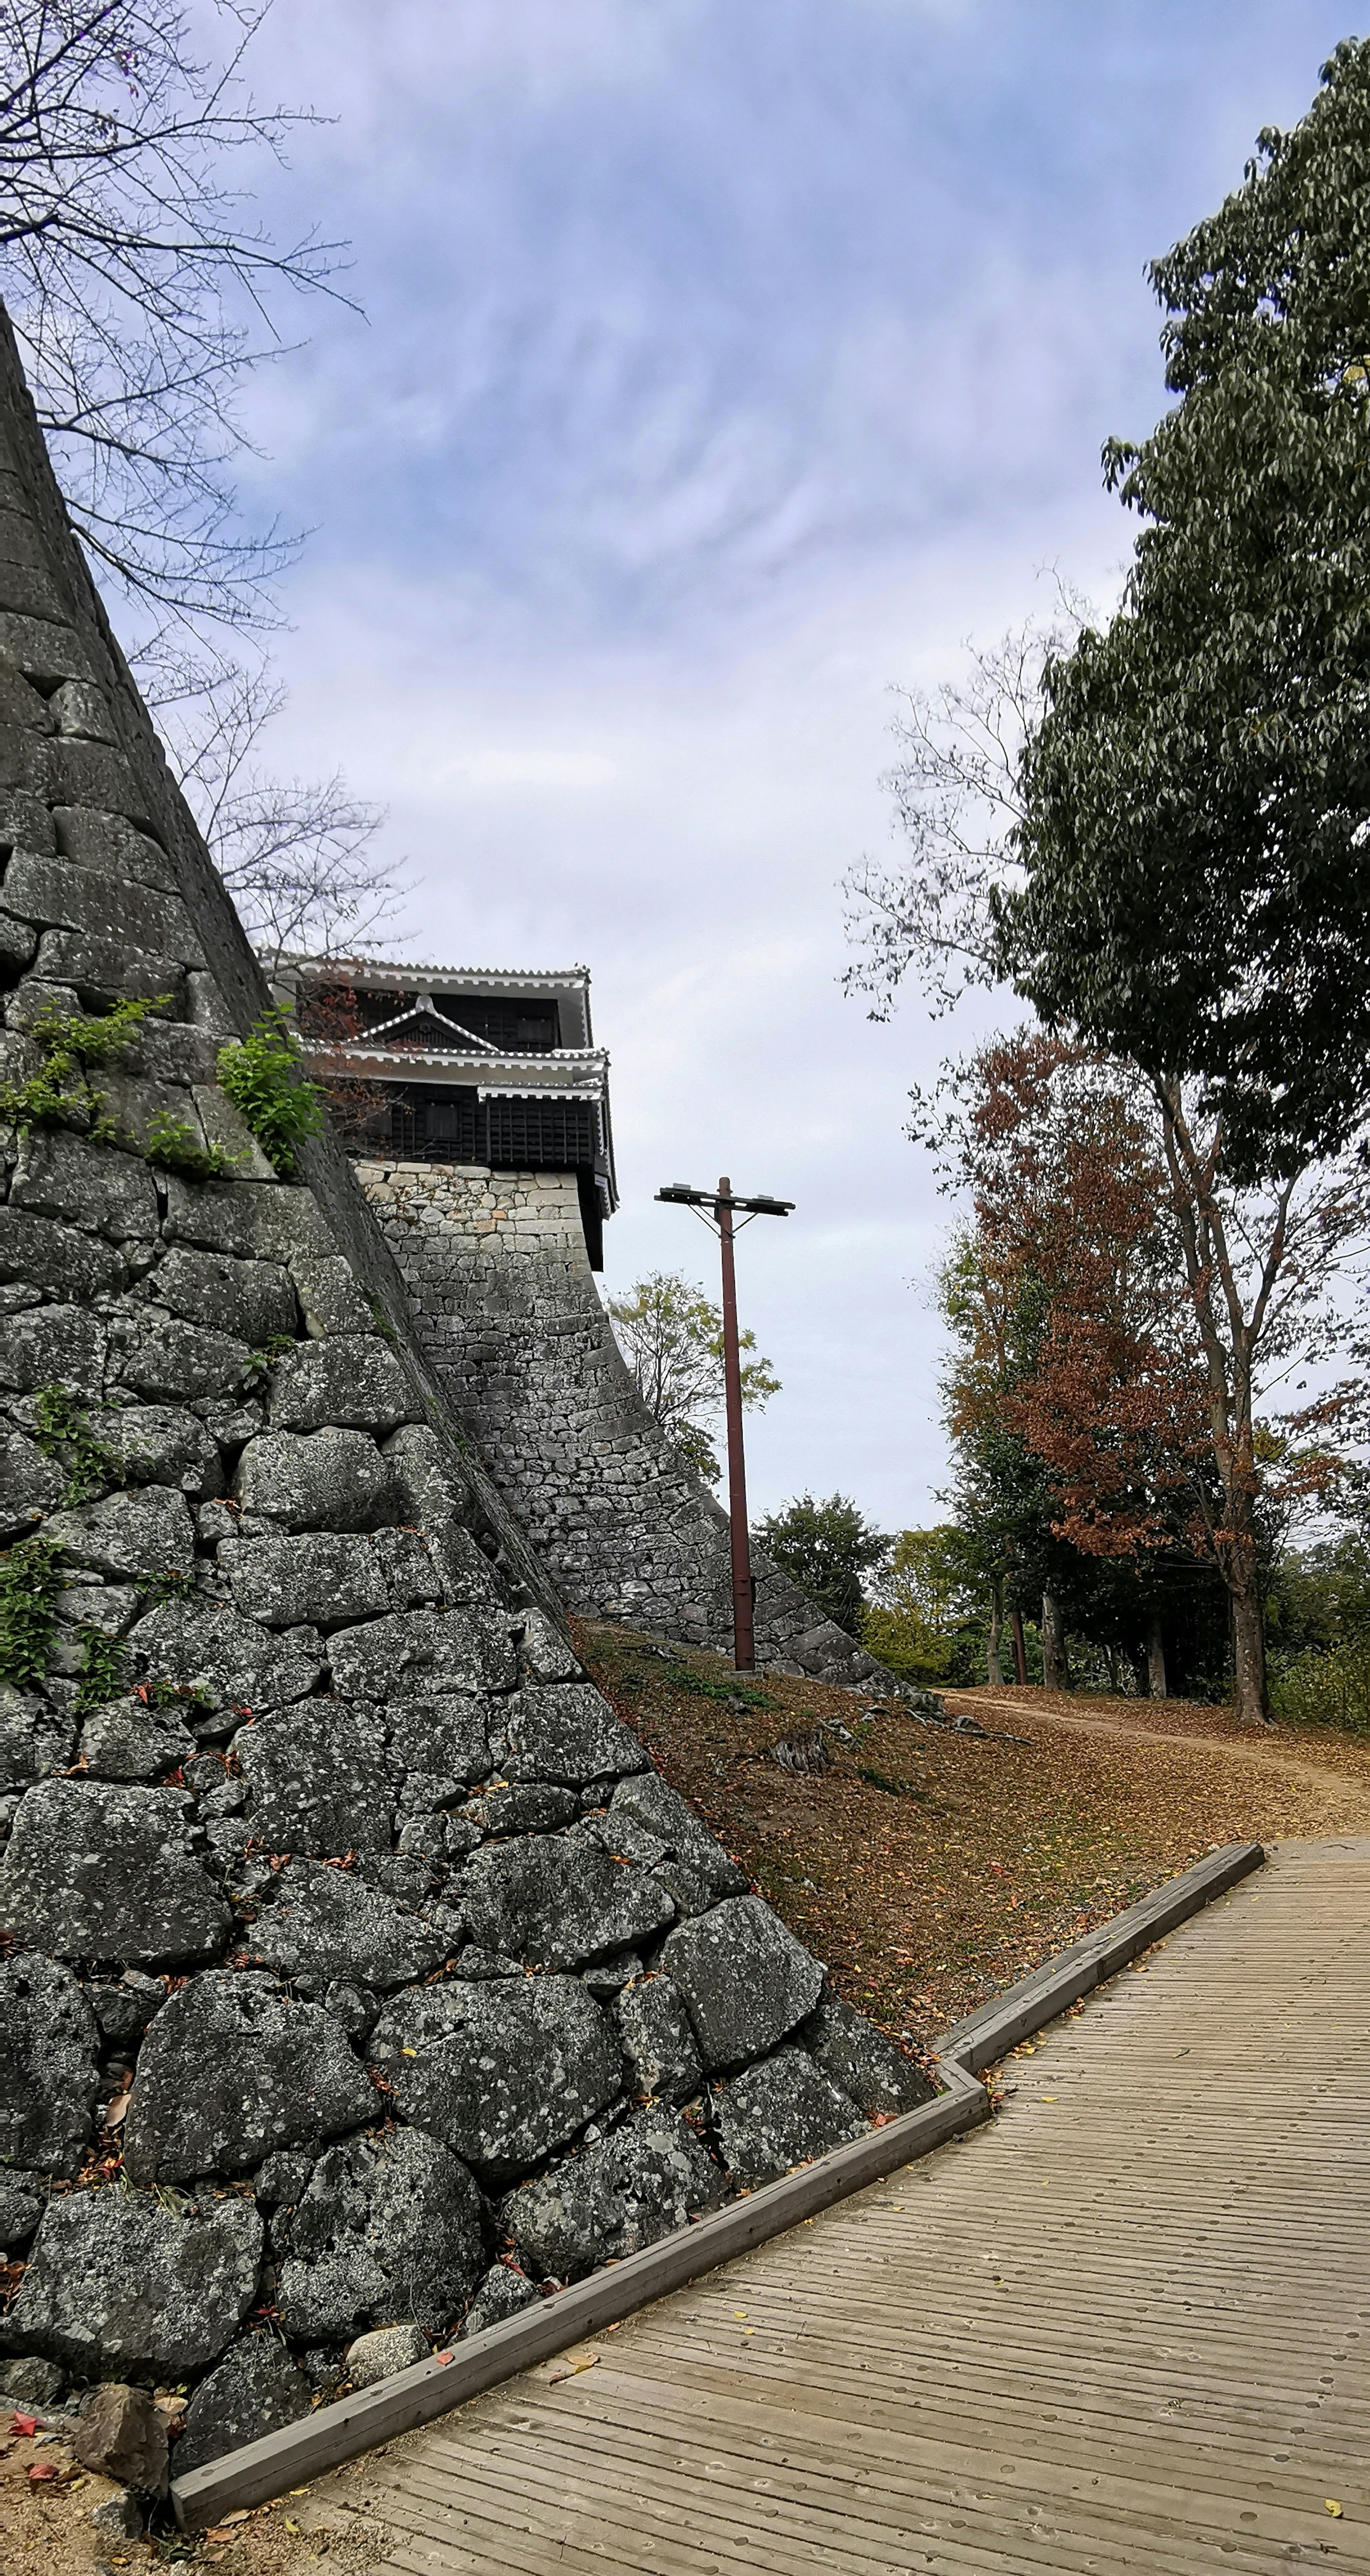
(1124, 2328)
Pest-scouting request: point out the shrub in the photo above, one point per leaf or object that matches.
(1330, 1689)
(261, 1075)
(62, 1426)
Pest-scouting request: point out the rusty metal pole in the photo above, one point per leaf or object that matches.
(744, 1642)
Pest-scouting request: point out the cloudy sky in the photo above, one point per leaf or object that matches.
(723, 363)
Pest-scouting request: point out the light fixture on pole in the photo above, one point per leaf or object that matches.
(720, 1207)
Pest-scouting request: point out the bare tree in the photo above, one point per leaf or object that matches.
(298, 857)
(956, 797)
(139, 286)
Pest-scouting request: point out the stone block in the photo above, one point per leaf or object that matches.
(431, 1482)
(330, 1300)
(746, 1981)
(163, 1357)
(326, 1923)
(48, 2041)
(521, 1807)
(102, 971)
(439, 1747)
(237, 1665)
(226, 1130)
(502, 2070)
(318, 1780)
(23, 2198)
(545, 1655)
(256, 2389)
(503, 2293)
(385, 2350)
(46, 1254)
(232, 2070)
(781, 2114)
(422, 1651)
(554, 1900)
(323, 1576)
(79, 708)
(389, 2231)
(120, 2434)
(130, 1740)
(353, 1379)
(645, 2180)
(316, 1480)
(861, 2061)
(657, 2036)
(54, 895)
(141, 1532)
(102, 1872)
(647, 1807)
(92, 1186)
(248, 1300)
(123, 2010)
(567, 1733)
(91, 773)
(28, 2380)
(53, 1346)
(30, 1485)
(120, 2281)
(112, 847)
(163, 1444)
(42, 649)
(26, 823)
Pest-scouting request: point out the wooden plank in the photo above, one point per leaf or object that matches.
(1167, 2375)
(432, 2388)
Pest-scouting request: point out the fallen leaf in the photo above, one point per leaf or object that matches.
(239, 2516)
(739, 2312)
(1330, 2502)
(118, 2111)
(575, 2370)
(42, 2469)
(291, 2526)
(24, 2424)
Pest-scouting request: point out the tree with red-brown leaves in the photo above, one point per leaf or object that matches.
(1151, 1308)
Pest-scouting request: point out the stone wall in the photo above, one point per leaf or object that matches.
(506, 1310)
(359, 1977)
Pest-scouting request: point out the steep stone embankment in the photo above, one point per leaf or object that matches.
(361, 1973)
(506, 1311)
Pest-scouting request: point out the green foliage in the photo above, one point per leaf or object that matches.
(61, 1093)
(1319, 1597)
(927, 1624)
(172, 1585)
(102, 1669)
(62, 1431)
(173, 1145)
(1331, 1689)
(162, 1694)
(261, 1361)
(827, 1548)
(681, 1678)
(261, 1075)
(30, 1579)
(672, 1340)
(1198, 796)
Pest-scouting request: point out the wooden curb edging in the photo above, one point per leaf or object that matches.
(303, 2451)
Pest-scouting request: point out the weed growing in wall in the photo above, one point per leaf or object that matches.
(61, 1425)
(261, 1075)
(172, 1144)
(30, 1580)
(101, 1676)
(61, 1093)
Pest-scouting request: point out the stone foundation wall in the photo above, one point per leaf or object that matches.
(508, 1316)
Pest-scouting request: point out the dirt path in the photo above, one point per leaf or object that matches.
(1343, 1786)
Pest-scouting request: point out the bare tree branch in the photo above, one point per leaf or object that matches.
(139, 285)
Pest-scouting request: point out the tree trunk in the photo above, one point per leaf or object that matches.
(1251, 1706)
(1019, 1649)
(1055, 1668)
(996, 1629)
(1113, 1670)
(1155, 1656)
